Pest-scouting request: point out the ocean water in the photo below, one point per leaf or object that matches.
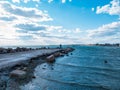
(86, 68)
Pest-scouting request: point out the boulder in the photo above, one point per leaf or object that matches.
(17, 74)
(12, 85)
(17, 49)
(2, 50)
(24, 69)
(57, 54)
(68, 50)
(10, 50)
(33, 77)
(63, 51)
(50, 59)
(105, 61)
(61, 54)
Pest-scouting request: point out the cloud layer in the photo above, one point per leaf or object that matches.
(38, 1)
(106, 30)
(25, 26)
(113, 8)
(22, 25)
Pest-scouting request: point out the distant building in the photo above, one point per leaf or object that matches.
(108, 44)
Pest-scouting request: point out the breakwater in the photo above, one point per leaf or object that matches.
(17, 68)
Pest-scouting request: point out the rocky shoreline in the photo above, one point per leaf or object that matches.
(20, 49)
(19, 74)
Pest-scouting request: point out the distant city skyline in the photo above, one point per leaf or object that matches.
(51, 22)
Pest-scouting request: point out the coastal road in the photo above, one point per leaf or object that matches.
(11, 59)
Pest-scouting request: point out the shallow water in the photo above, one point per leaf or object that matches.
(84, 69)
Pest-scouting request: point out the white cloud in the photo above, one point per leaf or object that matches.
(16, 1)
(49, 1)
(37, 5)
(77, 30)
(26, 1)
(93, 9)
(36, 1)
(108, 33)
(63, 1)
(31, 14)
(113, 8)
(70, 0)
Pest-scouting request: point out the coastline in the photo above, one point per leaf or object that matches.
(10, 59)
(26, 63)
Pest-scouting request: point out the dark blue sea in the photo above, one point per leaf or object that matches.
(86, 68)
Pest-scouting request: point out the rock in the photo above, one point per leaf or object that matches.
(12, 85)
(33, 77)
(43, 68)
(43, 47)
(24, 69)
(17, 49)
(45, 54)
(69, 49)
(3, 82)
(2, 51)
(57, 54)
(105, 61)
(17, 74)
(62, 51)
(67, 54)
(29, 48)
(31, 61)
(24, 49)
(50, 59)
(61, 54)
(10, 50)
(37, 48)
(19, 68)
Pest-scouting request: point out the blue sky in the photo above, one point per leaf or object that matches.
(41, 22)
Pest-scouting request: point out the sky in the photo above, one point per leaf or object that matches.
(52, 22)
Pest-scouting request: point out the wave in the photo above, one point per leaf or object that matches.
(96, 85)
(96, 68)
